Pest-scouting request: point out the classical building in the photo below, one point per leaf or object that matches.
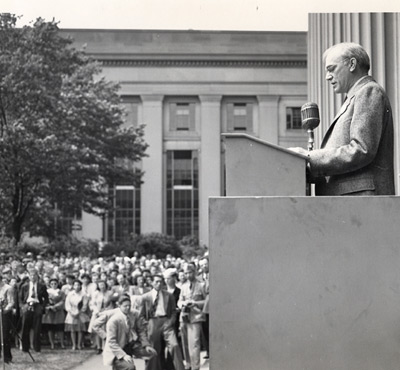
(188, 87)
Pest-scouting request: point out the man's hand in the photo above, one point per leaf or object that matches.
(299, 150)
(151, 350)
(127, 358)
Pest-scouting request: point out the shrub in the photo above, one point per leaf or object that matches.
(64, 244)
(115, 248)
(191, 247)
(158, 244)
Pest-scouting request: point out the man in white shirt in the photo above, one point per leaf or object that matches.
(191, 302)
(33, 298)
(159, 309)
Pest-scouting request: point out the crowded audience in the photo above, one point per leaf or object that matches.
(55, 301)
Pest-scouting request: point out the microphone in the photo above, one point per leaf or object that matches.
(310, 120)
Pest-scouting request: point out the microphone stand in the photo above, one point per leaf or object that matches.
(2, 336)
(310, 143)
(310, 147)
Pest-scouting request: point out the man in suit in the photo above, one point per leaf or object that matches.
(126, 336)
(205, 278)
(159, 309)
(356, 155)
(7, 305)
(170, 276)
(33, 299)
(191, 302)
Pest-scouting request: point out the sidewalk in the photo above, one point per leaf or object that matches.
(96, 363)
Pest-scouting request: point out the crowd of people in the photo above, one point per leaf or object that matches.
(70, 302)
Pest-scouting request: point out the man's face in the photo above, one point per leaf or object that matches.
(33, 277)
(190, 274)
(170, 281)
(338, 71)
(157, 283)
(125, 307)
(204, 265)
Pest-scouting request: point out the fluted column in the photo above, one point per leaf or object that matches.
(210, 163)
(379, 34)
(152, 188)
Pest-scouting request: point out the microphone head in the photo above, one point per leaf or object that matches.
(310, 116)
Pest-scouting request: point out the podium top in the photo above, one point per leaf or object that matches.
(257, 140)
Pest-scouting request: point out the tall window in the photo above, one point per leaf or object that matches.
(68, 221)
(182, 116)
(131, 107)
(293, 118)
(182, 193)
(124, 219)
(240, 117)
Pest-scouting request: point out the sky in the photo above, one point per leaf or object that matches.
(247, 15)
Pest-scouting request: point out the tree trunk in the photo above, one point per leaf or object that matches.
(17, 229)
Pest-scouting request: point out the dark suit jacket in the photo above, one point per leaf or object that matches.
(43, 296)
(169, 306)
(357, 151)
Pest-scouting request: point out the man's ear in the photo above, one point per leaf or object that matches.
(353, 64)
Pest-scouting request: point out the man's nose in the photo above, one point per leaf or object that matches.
(328, 76)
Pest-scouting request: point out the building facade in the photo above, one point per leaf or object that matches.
(188, 87)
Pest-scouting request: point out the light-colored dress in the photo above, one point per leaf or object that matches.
(100, 302)
(76, 305)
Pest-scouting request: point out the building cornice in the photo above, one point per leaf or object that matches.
(203, 63)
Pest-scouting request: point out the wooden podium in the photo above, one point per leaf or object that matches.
(300, 282)
(257, 168)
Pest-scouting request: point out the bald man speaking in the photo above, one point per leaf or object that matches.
(356, 154)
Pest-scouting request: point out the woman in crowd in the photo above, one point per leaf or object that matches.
(76, 322)
(101, 301)
(54, 317)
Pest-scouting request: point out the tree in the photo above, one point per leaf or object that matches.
(62, 138)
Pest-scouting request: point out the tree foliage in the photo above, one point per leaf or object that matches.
(62, 134)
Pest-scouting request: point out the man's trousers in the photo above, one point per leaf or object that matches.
(158, 332)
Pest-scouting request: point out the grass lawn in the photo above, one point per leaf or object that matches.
(48, 359)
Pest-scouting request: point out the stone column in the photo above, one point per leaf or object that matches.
(152, 188)
(269, 118)
(210, 158)
(379, 34)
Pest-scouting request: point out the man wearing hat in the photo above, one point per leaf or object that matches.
(6, 273)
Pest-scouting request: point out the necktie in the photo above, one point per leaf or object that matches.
(155, 304)
(130, 329)
(33, 291)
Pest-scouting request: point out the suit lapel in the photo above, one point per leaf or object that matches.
(342, 110)
(345, 106)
